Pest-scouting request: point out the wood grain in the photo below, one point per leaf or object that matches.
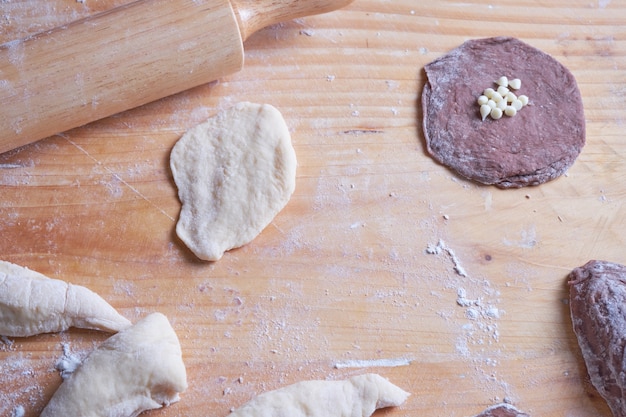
(111, 62)
(342, 272)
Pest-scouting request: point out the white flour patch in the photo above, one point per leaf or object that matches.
(527, 238)
(15, 371)
(474, 315)
(68, 362)
(7, 344)
(488, 197)
(442, 247)
(114, 186)
(124, 287)
(373, 363)
(18, 411)
(481, 313)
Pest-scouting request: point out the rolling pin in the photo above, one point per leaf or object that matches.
(126, 57)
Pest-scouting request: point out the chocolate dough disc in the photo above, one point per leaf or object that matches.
(536, 145)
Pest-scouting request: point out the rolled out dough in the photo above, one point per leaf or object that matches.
(358, 396)
(537, 145)
(234, 173)
(31, 303)
(138, 369)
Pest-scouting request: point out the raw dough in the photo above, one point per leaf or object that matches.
(502, 410)
(138, 369)
(598, 309)
(31, 303)
(234, 173)
(358, 396)
(537, 145)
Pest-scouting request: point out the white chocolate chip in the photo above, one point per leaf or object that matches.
(510, 97)
(485, 110)
(496, 113)
(502, 101)
(502, 90)
(510, 111)
(515, 84)
(523, 99)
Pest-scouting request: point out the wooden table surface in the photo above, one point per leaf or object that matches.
(343, 273)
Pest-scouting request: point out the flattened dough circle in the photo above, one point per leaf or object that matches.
(535, 146)
(234, 173)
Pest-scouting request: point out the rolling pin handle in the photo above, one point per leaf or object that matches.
(253, 15)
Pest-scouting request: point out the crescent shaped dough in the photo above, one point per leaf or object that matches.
(234, 173)
(31, 303)
(138, 369)
(358, 396)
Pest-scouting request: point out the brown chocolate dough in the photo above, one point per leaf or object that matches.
(598, 309)
(536, 145)
(502, 410)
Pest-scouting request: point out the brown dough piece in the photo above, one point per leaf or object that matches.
(537, 145)
(598, 309)
(502, 410)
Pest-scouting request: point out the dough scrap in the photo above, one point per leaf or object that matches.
(598, 310)
(31, 303)
(358, 396)
(138, 369)
(502, 410)
(537, 145)
(234, 173)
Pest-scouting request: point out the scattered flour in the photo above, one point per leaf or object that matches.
(68, 362)
(7, 344)
(482, 327)
(15, 371)
(18, 411)
(442, 247)
(383, 363)
(477, 335)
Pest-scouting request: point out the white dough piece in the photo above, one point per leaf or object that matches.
(140, 368)
(358, 396)
(31, 303)
(234, 173)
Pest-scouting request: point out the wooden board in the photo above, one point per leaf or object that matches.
(342, 273)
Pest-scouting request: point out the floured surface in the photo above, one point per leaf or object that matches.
(343, 274)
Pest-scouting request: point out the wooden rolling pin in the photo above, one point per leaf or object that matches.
(125, 57)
